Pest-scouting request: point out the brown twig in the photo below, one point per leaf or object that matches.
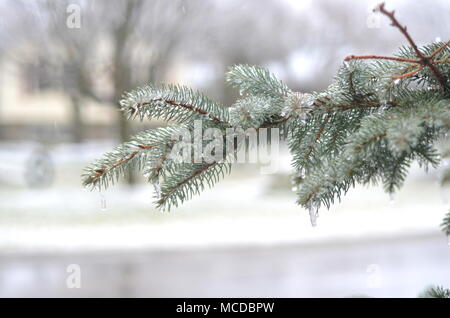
(409, 74)
(377, 57)
(403, 29)
(422, 61)
(439, 49)
(442, 61)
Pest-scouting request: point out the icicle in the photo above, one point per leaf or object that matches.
(391, 198)
(313, 214)
(157, 189)
(102, 202)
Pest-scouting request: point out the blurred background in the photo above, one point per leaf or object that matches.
(63, 68)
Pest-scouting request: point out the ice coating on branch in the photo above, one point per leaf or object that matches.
(313, 215)
(157, 189)
(297, 104)
(253, 111)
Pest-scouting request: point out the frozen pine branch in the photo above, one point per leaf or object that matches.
(188, 180)
(379, 115)
(254, 80)
(149, 150)
(171, 102)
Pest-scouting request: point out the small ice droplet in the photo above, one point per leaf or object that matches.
(383, 107)
(437, 39)
(294, 189)
(397, 81)
(102, 202)
(313, 214)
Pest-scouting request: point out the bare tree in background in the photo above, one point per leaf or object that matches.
(251, 32)
(11, 34)
(142, 36)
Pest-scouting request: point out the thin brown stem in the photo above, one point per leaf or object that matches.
(424, 60)
(183, 105)
(403, 29)
(409, 74)
(436, 73)
(377, 57)
(439, 49)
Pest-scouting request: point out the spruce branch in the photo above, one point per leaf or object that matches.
(172, 102)
(379, 114)
(254, 80)
(148, 147)
(381, 150)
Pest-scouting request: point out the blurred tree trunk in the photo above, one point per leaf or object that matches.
(122, 75)
(77, 122)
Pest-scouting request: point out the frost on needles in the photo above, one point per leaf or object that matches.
(379, 115)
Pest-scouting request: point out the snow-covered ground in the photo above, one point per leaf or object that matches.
(243, 230)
